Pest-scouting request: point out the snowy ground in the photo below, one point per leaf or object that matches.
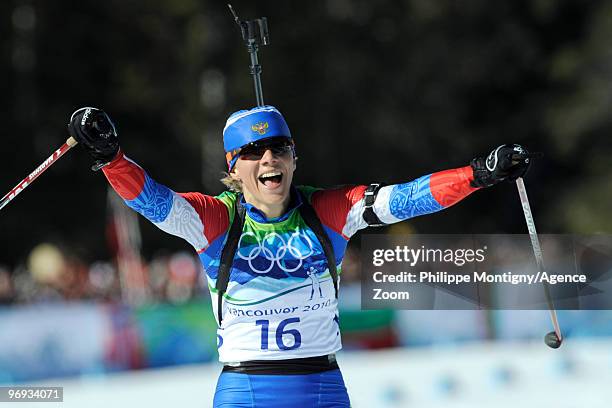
(478, 375)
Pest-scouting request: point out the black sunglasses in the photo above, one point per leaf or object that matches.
(256, 150)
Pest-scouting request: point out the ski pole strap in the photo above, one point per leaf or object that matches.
(233, 237)
(313, 222)
(227, 255)
(369, 215)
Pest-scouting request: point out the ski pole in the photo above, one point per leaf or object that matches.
(8, 197)
(554, 338)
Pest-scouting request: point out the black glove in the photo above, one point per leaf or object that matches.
(506, 163)
(95, 131)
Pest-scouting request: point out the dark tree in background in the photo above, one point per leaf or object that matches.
(372, 90)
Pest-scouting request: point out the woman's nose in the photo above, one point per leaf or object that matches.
(268, 156)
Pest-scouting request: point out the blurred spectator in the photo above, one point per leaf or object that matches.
(351, 264)
(183, 277)
(51, 274)
(103, 280)
(7, 295)
(158, 276)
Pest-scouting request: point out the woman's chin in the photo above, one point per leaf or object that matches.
(274, 195)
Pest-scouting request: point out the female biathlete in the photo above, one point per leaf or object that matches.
(272, 250)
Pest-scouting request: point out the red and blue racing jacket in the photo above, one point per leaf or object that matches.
(280, 301)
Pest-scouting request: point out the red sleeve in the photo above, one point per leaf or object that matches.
(451, 186)
(126, 177)
(334, 205)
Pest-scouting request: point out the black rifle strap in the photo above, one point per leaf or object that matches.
(313, 222)
(227, 254)
(233, 237)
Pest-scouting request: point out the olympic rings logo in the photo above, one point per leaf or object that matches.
(298, 247)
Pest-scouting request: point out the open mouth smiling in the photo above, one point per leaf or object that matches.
(271, 179)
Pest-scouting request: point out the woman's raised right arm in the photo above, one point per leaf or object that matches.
(195, 217)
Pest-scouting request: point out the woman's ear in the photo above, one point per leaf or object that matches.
(295, 163)
(234, 175)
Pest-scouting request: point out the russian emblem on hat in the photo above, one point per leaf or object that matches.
(261, 128)
(248, 126)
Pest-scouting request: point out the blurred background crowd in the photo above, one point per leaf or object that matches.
(385, 90)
